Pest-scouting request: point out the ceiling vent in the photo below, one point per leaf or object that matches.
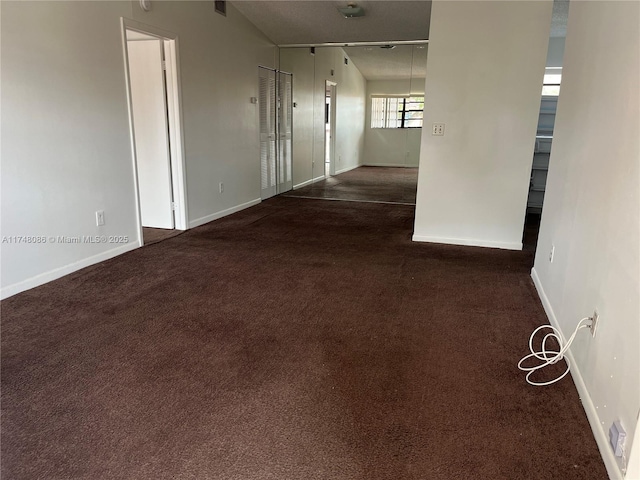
(220, 7)
(351, 11)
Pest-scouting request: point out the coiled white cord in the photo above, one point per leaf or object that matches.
(549, 357)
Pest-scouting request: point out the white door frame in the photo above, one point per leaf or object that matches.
(333, 88)
(174, 102)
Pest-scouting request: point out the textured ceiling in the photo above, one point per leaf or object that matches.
(316, 21)
(291, 22)
(401, 63)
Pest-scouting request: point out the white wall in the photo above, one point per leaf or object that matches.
(219, 58)
(66, 148)
(484, 76)
(591, 214)
(310, 72)
(350, 114)
(299, 62)
(392, 146)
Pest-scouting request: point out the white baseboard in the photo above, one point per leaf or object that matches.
(319, 179)
(303, 184)
(398, 165)
(309, 182)
(592, 414)
(56, 273)
(348, 169)
(468, 242)
(222, 213)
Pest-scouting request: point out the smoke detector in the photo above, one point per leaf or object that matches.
(351, 10)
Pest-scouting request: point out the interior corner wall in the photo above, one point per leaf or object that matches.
(66, 145)
(484, 77)
(591, 215)
(392, 147)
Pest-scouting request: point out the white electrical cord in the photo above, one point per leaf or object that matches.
(549, 357)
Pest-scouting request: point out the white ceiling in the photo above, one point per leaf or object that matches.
(313, 22)
(292, 22)
(402, 62)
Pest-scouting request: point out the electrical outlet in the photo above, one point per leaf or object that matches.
(100, 218)
(552, 253)
(617, 437)
(594, 323)
(438, 129)
(221, 187)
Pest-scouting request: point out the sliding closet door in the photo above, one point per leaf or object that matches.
(285, 137)
(268, 151)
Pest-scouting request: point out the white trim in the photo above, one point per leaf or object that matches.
(354, 44)
(303, 184)
(348, 169)
(59, 272)
(134, 162)
(399, 165)
(309, 182)
(222, 213)
(174, 104)
(175, 118)
(319, 179)
(592, 415)
(468, 242)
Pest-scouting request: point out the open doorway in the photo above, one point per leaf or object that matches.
(152, 79)
(330, 128)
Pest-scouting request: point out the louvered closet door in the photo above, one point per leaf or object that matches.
(285, 137)
(267, 104)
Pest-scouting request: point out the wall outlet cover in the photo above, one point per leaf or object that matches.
(617, 435)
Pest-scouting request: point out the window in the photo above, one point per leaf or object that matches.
(397, 112)
(551, 84)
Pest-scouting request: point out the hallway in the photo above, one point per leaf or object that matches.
(366, 184)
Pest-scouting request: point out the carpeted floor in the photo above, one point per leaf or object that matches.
(370, 184)
(155, 235)
(298, 339)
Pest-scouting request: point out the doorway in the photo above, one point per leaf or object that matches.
(154, 105)
(330, 128)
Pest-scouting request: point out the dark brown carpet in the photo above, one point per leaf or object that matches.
(371, 184)
(298, 339)
(155, 235)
